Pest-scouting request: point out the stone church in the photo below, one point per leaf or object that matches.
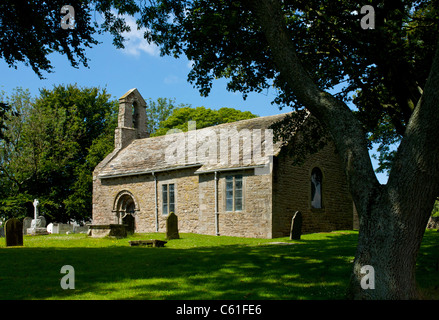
(230, 179)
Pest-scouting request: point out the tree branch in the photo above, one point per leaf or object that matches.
(414, 178)
(344, 128)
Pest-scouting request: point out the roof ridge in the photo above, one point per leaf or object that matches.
(256, 119)
(149, 154)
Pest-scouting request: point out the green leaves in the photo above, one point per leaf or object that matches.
(158, 111)
(385, 68)
(31, 30)
(54, 146)
(57, 139)
(203, 117)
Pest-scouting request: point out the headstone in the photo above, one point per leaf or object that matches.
(296, 226)
(38, 225)
(14, 232)
(62, 228)
(80, 229)
(40, 222)
(27, 222)
(36, 203)
(172, 227)
(66, 228)
(2, 231)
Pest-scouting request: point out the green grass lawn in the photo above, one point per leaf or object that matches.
(193, 267)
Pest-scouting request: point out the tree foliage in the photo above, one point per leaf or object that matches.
(388, 75)
(381, 71)
(31, 30)
(4, 108)
(54, 143)
(203, 117)
(435, 211)
(158, 111)
(303, 49)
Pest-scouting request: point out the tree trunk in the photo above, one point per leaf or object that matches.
(393, 224)
(389, 244)
(393, 217)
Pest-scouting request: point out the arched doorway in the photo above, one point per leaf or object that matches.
(128, 218)
(125, 209)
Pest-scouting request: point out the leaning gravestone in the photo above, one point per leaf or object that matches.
(172, 227)
(14, 232)
(296, 226)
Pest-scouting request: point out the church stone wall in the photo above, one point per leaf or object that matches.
(194, 201)
(270, 201)
(287, 191)
(292, 192)
(255, 218)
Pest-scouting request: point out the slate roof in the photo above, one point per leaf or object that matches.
(148, 155)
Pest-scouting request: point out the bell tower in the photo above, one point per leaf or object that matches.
(131, 122)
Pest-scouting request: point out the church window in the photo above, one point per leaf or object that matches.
(316, 188)
(234, 196)
(168, 198)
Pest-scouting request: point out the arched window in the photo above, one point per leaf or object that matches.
(135, 115)
(316, 188)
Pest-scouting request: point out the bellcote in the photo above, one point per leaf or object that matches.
(131, 119)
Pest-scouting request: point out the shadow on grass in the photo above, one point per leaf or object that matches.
(311, 269)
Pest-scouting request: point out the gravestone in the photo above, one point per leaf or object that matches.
(296, 226)
(27, 222)
(80, 229)
(172, 227)
(40, 222)
(14, 232)
(61, 228)
(38, 227)
(2, 231)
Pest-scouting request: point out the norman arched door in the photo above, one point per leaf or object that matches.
(125, 209)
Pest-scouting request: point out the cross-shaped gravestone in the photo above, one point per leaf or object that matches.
(36, 202)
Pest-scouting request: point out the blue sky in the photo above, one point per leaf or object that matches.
(139, 66)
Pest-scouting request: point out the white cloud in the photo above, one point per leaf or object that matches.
(190, 64)
(134, 43)
(171, 79)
